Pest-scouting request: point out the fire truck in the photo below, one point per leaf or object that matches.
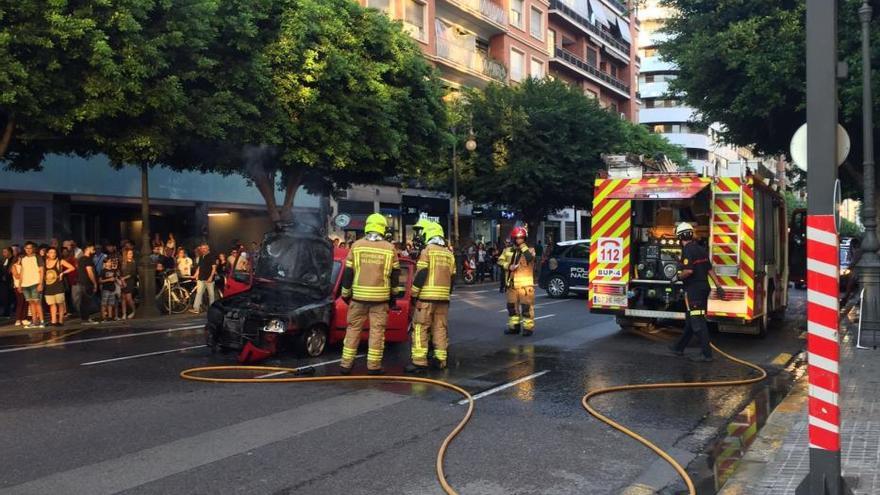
(738, 215)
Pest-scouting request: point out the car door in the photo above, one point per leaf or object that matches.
(398, 317)
(577, 266)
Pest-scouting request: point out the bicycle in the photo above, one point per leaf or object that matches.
(174, 298)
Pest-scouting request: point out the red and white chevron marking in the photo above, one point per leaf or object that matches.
(823, 344)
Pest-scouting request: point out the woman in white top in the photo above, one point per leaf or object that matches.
(184, 263)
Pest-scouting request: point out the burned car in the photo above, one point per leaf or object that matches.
(293, 300)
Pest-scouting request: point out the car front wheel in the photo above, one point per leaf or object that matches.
(556, 287)
(312, 342)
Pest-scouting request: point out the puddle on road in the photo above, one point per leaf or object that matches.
(711, 469)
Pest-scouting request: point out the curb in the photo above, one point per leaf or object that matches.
(770, 440)
(76, 324)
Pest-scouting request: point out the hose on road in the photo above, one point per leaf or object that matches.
(198, 375)
(585, 402)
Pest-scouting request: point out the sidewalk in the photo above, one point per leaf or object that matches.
(8, 329)
(779, 459)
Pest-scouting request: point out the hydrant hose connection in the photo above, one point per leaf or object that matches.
(585, 402)
(198, 375)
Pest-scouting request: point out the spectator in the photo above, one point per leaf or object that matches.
(31, 270)
(222, 272)
(71, 280)
(16, 250)
(41, 251)
(87, 284)
(129, 283)
(206, 270)
(53, 288)
(171, 243)
(21, 307)
(54, 243)
(241, 259)
(70, 245)
(7, 292)
(108, 280)
(482, 262)
(100, 256)
(184, 263)
(157, 241)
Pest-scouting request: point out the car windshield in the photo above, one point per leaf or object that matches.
(299, 258)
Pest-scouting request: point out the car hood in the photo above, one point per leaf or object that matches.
(272, 298)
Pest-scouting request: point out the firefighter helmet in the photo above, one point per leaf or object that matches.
(684, 230)
(519, 232)
(433, 230)
(376, 223)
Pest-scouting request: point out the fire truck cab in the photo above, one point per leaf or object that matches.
(739, 217)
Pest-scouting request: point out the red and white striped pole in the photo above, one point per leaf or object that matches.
(823, 340)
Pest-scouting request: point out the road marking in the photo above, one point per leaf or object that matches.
(316, 365)
(545, 316)
(477, 291)
(505, 386)
(157, 353)
(542, 304)
(130, 470)
(96, 339)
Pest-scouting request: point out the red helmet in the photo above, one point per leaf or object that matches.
(519, 232)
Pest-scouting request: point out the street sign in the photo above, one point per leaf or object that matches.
(798, 146)
(342, 220)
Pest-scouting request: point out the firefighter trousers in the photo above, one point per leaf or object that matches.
(358, 313)
(695, 324)
(521, 307)
(430, 323)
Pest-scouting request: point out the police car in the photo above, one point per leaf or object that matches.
(566, 268)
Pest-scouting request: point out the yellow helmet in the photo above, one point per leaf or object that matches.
(433, 230)
(376, 223)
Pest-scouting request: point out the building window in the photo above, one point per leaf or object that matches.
(536, 23)
(551, 41)
(613, 107)
(697, 154)
(591, 94)
(517, 62)
(649, 78)
(537, 69)
(34, 222)
(614, 71)
(516, 13)
(381, 5)
(649, 52)
(415, 19)
(592, 57)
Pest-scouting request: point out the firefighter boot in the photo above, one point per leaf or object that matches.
(414, 368)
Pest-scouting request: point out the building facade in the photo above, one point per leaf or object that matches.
(666, 114)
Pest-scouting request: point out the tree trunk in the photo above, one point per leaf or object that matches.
(265, 183)
(292, 182)
(146, 269)
(6, 139)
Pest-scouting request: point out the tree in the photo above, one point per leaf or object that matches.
(743, 64)
(636, 139)
(539, 145)
(321, 93)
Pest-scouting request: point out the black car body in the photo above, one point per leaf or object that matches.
(291, 297)
(566, 269)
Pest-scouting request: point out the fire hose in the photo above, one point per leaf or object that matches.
(198, 375)
(585, 402)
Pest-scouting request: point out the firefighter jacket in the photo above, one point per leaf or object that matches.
(524, 257)
(435, 272)
(372, 271)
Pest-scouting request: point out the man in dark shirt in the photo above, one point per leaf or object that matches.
(87, 283)
(695, 272)
(206, 271)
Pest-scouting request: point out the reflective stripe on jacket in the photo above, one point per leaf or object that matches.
(373, 266)
(435, 272)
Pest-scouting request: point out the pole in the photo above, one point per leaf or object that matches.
(869, 264)
(455, 191)
(823, 272)
(146, 269)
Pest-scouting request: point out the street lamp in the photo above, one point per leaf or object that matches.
(869, 265)
(470, 145)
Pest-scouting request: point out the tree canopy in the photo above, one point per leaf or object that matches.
(539, 145)
(743, 63)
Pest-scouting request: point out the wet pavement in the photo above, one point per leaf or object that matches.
(102, 410)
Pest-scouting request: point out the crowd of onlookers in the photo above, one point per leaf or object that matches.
(43, 285)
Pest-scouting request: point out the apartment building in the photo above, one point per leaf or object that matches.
(474, 42)
(593, 49)
(664, 113)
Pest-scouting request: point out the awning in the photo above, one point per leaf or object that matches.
(600, 15)
(644, 189)
(624, 29)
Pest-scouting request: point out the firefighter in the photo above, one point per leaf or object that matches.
(695, 273)
(370, 281)
(518, 262)
(418, 238)
(435, 272)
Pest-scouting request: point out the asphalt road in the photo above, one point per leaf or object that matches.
(102, 410)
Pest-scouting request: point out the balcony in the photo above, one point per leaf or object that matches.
(617, 5)
(582, 22)
(480, 16)
(576, 63)
(470, 61)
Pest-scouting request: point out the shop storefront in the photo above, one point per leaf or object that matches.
(436, 209)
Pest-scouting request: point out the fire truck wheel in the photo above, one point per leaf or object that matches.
(312, 342)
